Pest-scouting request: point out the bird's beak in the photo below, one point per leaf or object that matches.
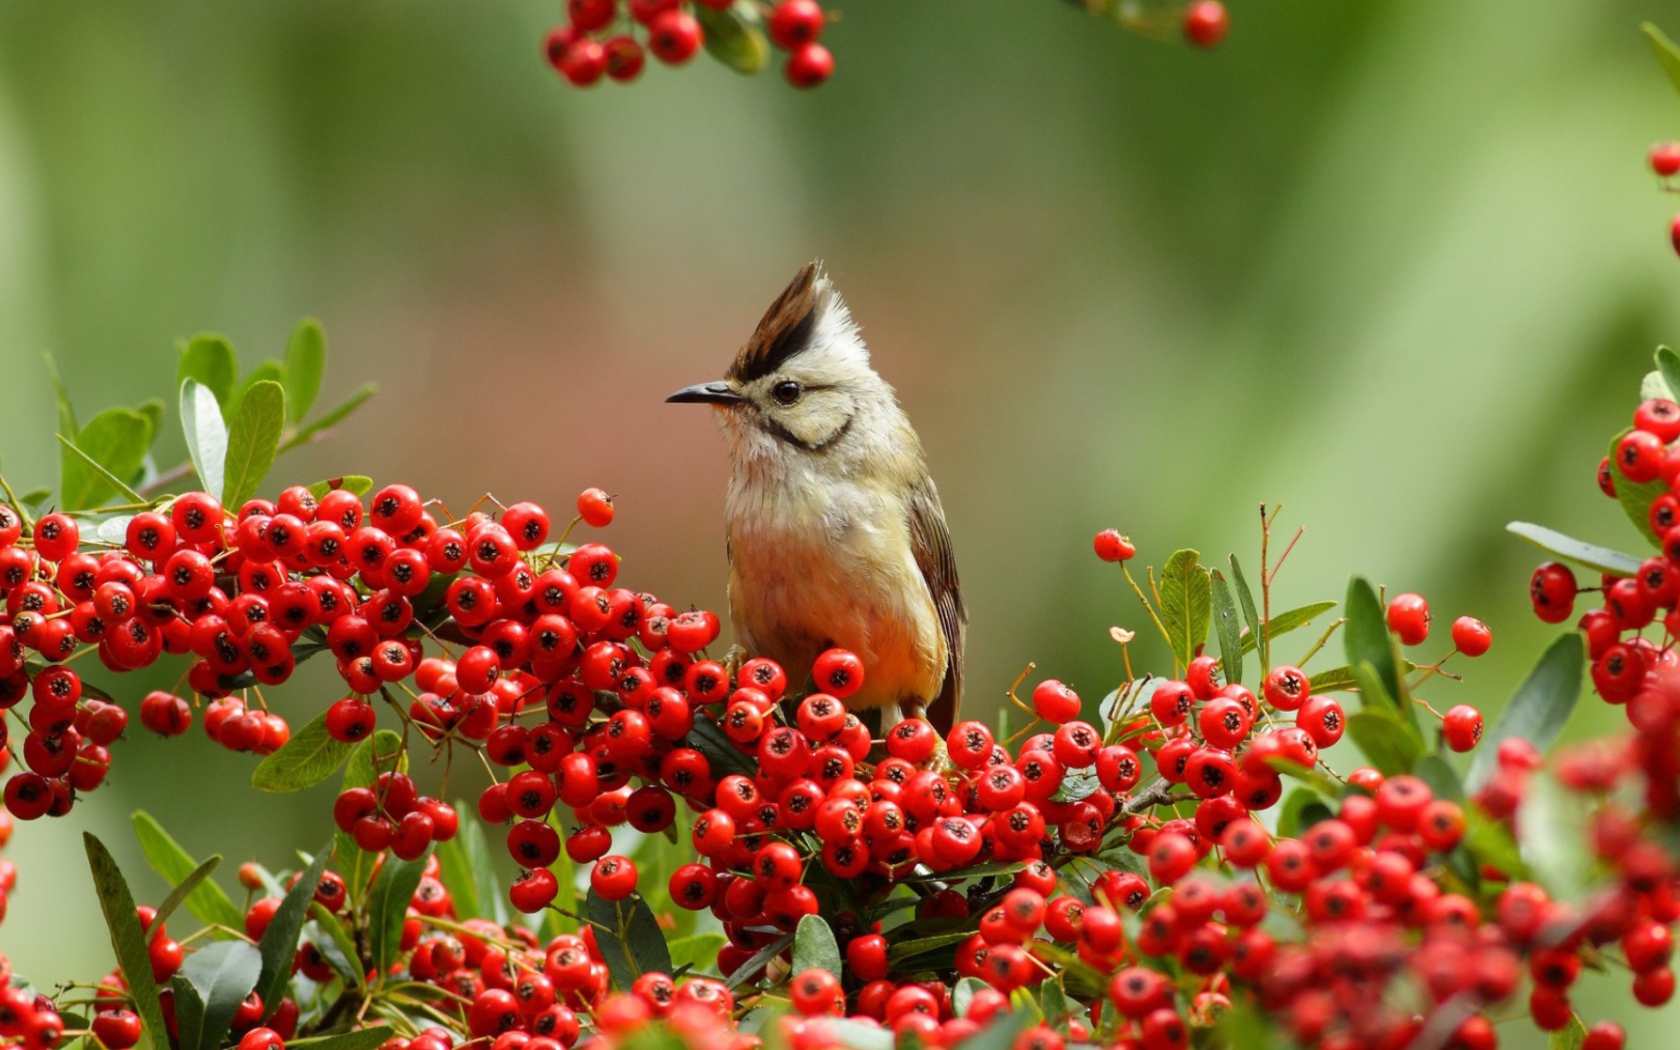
(718, 393)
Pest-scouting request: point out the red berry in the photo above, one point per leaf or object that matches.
(625, 61)
(1408, 617)
(837, 672)
(1111, 546)
(1461, 727)
(595, 507)
(57, 536)
(1639, 454)
(1056, 702)
(590, 15)
(1665, 158)
(1552, 589)
(674, 36)
(1206, 22)
(533, 890)
(1608, 1035)
(809, 65)
(795, 22)
(1471, 636)
(613, 878)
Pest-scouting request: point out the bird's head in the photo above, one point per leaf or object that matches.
(802, 384)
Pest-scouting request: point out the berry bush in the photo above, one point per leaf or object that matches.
(713, 852)
(613, 38)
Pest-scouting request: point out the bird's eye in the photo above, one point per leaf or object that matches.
(786, 392)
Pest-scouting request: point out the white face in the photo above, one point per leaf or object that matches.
(811, 407)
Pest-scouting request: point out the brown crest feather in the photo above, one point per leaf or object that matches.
(786, 327)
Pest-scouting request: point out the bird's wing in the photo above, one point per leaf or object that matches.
(931, 542)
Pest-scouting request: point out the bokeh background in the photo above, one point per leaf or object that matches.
(1395, 264)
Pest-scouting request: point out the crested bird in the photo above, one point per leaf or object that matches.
(834, 530)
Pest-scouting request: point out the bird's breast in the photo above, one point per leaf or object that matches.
(830, 563)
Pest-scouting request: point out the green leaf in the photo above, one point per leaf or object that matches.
(209, 360)
(119, 485)
(152, 409)
(361, 771)
(752, 966)
(1289, 620)
(458, 875)
(1335, 680)
(974, 871)
(962, 996)
(360, 484)
(1389, 744)
(631, 943)
(1368, 641)
(66, 414)
(855, 1035)
(1603, 559)
(360, 1039)
(1251, 616)
(1441, 777)
(322, 423)
(1538, 709)
(1241, 1027)
(1551, 827)
(1490, 843)
(697, 951)
(116, 439)
(1668, 366)
(814, 947)
(189, 1012)
(491, 900)
(309, 757)
(1186, 604)
(1667, 53)
(734, 36)
(268, 371)
(1001, 1032)
(306, 359)
(1572, 1036)
(899, 955)
(279, 942)
(223, 974)
(337, 947)
(393, 889)
(253, 439)
(1302, 808)
(179, 894)
(206, 900)
(1228, 628)
(1312, 778)
(206, 434)
(127, 939)
(1053, 1001)
(719, 750)
(1636, 498)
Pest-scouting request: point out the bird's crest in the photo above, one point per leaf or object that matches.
(789, 325)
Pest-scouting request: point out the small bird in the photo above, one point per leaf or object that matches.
(834, 529)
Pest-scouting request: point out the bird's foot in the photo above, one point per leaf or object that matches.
(733, 659)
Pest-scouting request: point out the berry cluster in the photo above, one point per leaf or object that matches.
(1106, 874)
(612, 38)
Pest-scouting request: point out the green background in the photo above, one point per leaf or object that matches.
(1397, 265)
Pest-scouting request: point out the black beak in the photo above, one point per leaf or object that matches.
(718, 393)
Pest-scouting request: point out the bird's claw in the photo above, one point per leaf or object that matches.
(733, 659)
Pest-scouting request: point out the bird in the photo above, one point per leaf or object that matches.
(833, 527)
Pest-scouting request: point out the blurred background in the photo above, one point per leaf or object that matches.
(1396, 265)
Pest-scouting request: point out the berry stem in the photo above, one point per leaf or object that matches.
(1150, 609)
